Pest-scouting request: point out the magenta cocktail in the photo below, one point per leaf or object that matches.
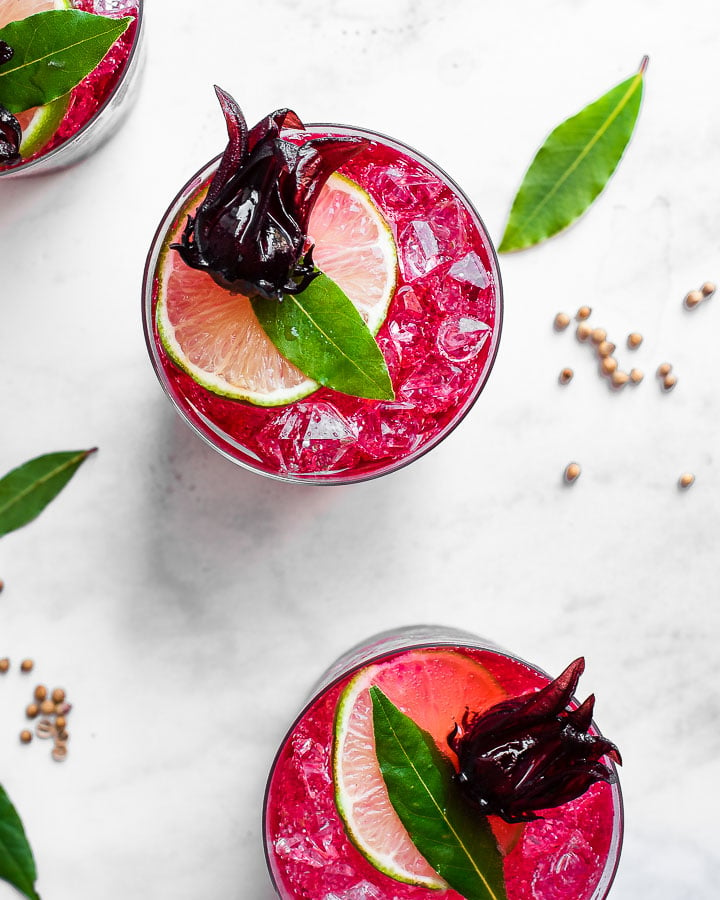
(331, 830)
(437, 322)
(67, 129)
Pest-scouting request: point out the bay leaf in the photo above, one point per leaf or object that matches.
(53, 52)
(27, 490)
(573, 165)
(323, 334)
(17, 865)
(455, 840)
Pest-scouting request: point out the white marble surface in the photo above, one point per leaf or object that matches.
(187, 605)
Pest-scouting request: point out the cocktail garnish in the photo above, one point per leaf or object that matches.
(52, 52)
(531, 752)
(250, 232)
(250, 235)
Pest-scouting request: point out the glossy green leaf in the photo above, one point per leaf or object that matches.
(321, 332)
(456, 841)
(53, 52)
(27, 490)
(17, 865)
(573, 166)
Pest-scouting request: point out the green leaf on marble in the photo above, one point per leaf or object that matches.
(27, 490)
(17, 865)
(573, 165)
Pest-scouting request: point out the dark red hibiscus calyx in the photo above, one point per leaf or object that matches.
(10, 132)
(250, 232)
(531, 752)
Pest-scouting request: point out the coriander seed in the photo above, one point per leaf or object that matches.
(26, 736)
(619, 379)
(40, 692)
(565, 376)
(583, 331)
(47, 707)
(663, 369)
(58, 695)
(562, 320)
(598, 335)
(692, 299)
(27, 665)
(636, 376)
(572, 472)
(583, 313)
(686, 479)
(669, 382)
(708, 289)
(32, 710)
(608, 365)
(605, 348)
(60, 723)
(634, 340)
(2, 585)
(4, 665)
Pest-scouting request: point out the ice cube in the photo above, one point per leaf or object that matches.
(391, 429)
(313, 765)
(308, 437)
(401, 188)
(419, 251)
(433, 386)
(567, 872)
(470, 270)
(461, 338)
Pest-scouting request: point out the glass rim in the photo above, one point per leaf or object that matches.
(221, 442)
(449, 636)
(26, 168)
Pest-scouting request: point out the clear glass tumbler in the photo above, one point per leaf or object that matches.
(439, 337)
(326, 825)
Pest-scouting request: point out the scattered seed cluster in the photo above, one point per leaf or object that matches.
(50, 708)
(609, 366)
(604, 349)
(696, 297)
(666, 376)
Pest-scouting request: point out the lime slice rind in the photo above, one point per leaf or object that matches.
(383, 862)
(43, 126)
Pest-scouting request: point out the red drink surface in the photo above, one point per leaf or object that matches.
(93, 91)
(439, 340)
(567, 855)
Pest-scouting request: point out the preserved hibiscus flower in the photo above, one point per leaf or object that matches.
(250, 232)
(10, 133)
(532, 752)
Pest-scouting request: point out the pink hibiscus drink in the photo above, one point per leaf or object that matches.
(68, 73)
(431, 764)
(322, 303)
